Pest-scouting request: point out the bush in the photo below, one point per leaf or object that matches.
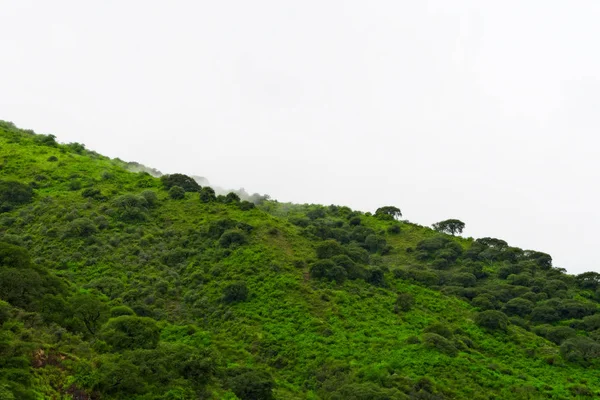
(91, 193)
(580, 349)
(176, 193)
(13, 193)
(439, 329)
(518, 306)
(483, 302)
(492, 319)
(235, 292)
(404, 302)
(120, 311)
(464, 279)
(329, 270)
(232, 238)
(329, 248)
(150, 197)
(130, 207)
(556, 334)
(81, 227)
(439, 343)
(544, 313)
(394, 229)
(249, 384)
(246, 205)
(130, 332)
(207, 195)
(183, 181)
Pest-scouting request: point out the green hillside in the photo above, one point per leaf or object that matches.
(120, 285)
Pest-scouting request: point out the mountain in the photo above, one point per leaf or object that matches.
(123, 285)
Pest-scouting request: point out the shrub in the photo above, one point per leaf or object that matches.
(464, 279)
(176, 193)
(544, 313)
(439, 329)
(207, 195)
(246, 205)
(13, 193)
(235, 292)
(404, 302)
(329, 248)
(185, 182)
(131, 207)
(120, 311)
(249, 384)
(130, 332)
(439, 343)
(150, 197)
(329, 270)
(492, 319)
(518, 306)
(231, 197)
(81, 227)
(556, 334)
(232, 238)
(394, 229)
(483, 302)
(580, 349)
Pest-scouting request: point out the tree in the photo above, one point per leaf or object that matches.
(90, 310)
(492, 319)
(329, 270)
(329, 248)
(588, 280)
(207, 195)
(130, 332)
(451, 226)
(176, 193)
(404, 302)
(13, 193)
(248, 384)
(183, 181)
(388, 211)
(232, 238)
(234, 292)
(518, 306)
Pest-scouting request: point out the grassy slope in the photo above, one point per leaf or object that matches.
(291, 325)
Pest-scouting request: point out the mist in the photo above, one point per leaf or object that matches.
(476, 110)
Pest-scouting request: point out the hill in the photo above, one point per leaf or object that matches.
(120, 285)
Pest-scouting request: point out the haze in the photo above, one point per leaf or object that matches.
(484, 111)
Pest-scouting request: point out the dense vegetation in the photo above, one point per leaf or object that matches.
(121, 285)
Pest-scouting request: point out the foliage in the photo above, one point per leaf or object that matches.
(183, 181)
(492, 319)
(388, 212)
(109, 289)
(451, 226)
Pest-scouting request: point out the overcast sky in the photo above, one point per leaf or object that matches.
(485, 111)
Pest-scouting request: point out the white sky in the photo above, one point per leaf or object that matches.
(485, 111)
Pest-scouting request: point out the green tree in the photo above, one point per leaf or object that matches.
(90, 310)
(176, 193)
(388, 212)
(235, 292)
(185, 182)
(518, 306)
(404, 302)
(451, 226)
(249, 384)
(131, 332)
(492, 319)
(207, 195)
(13, 193)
